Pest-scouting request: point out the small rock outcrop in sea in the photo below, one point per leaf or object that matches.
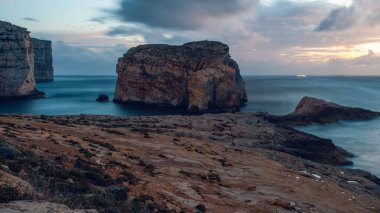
(43, 60)
(102, 98)
(16, 63)
(199, 76)
(313, 110)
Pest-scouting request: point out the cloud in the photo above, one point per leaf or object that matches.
(86, 60)
(99, 20)
(124, 30)
(362, 13)
(371, 59)
(30, 19)
(156, 36)
(180, 14)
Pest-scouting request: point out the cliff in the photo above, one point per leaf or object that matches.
(16, 63)
(43, 60)
(198, 76)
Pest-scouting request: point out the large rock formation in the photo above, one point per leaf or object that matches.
(16, 63)
(199, 76)
(43, 60)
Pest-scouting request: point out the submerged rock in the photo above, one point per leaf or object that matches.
(43, 60)
(198, 76)
(16, 63)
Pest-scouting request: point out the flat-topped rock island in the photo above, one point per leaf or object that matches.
(198, 77)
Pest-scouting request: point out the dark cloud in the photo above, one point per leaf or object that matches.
(339, 19)
(362, 13)
(288, 23)
(124, 30)
(179, 14)
(30, 19)
(100, 20)
(156, 36)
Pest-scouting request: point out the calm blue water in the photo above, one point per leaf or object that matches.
(276, 95)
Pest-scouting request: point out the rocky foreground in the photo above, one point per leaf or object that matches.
(241, 162)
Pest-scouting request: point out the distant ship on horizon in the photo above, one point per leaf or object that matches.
(301, 76)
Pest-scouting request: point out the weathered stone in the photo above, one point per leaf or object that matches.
(43, 60)
(16, 63)
(42, 207)
(198, 76)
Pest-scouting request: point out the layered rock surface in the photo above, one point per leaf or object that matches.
(43, 60)
(199, 76)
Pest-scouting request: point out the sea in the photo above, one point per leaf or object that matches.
(279, 95)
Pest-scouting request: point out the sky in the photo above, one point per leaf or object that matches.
(266, 37)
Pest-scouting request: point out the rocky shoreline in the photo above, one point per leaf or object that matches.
(36, 94)
(231, 162)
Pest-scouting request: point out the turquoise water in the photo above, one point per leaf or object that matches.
(273, 94)
(72, 95)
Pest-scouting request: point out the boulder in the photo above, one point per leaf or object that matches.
(43, 60)
(102, 98)
(198, 76)
(16, 63)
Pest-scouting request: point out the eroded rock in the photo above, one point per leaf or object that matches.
(198, 76)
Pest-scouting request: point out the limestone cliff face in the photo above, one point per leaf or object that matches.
(16, 61)
(43, 60)
(200, 76)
